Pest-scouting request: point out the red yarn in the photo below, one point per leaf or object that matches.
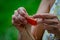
(31, 21)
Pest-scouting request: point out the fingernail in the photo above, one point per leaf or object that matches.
(16, 13)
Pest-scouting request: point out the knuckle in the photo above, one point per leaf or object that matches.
(21, 10)
(20, 17)
(13, 16)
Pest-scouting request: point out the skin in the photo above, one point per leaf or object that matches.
(51, 24)
(20, 23)
(43, 9)
(38, 30)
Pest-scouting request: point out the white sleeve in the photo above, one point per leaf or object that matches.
(46, 35)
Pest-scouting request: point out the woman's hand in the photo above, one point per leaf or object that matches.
(53, 28)
(18, 18)
(51, 23)
(20, 22)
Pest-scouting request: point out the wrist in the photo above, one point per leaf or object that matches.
(25, 35)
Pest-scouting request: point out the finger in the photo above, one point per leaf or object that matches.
(50, 28)
(22, 11)
(51, 21)
(15, 19)
(22, 8)
(16, 22)
(18, 26)
(58, 25)
(22, 19)
(15, 13)
(46, 16)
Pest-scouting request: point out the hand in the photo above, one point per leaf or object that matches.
(51, 23)
(38, 30)
(55, 29)
(18, 18)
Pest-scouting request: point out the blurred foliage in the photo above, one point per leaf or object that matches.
(7, 7)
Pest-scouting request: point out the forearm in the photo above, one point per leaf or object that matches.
(44, 7)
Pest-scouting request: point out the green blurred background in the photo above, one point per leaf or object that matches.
(7, 7)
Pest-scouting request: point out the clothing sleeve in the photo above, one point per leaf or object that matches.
(46, 35)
